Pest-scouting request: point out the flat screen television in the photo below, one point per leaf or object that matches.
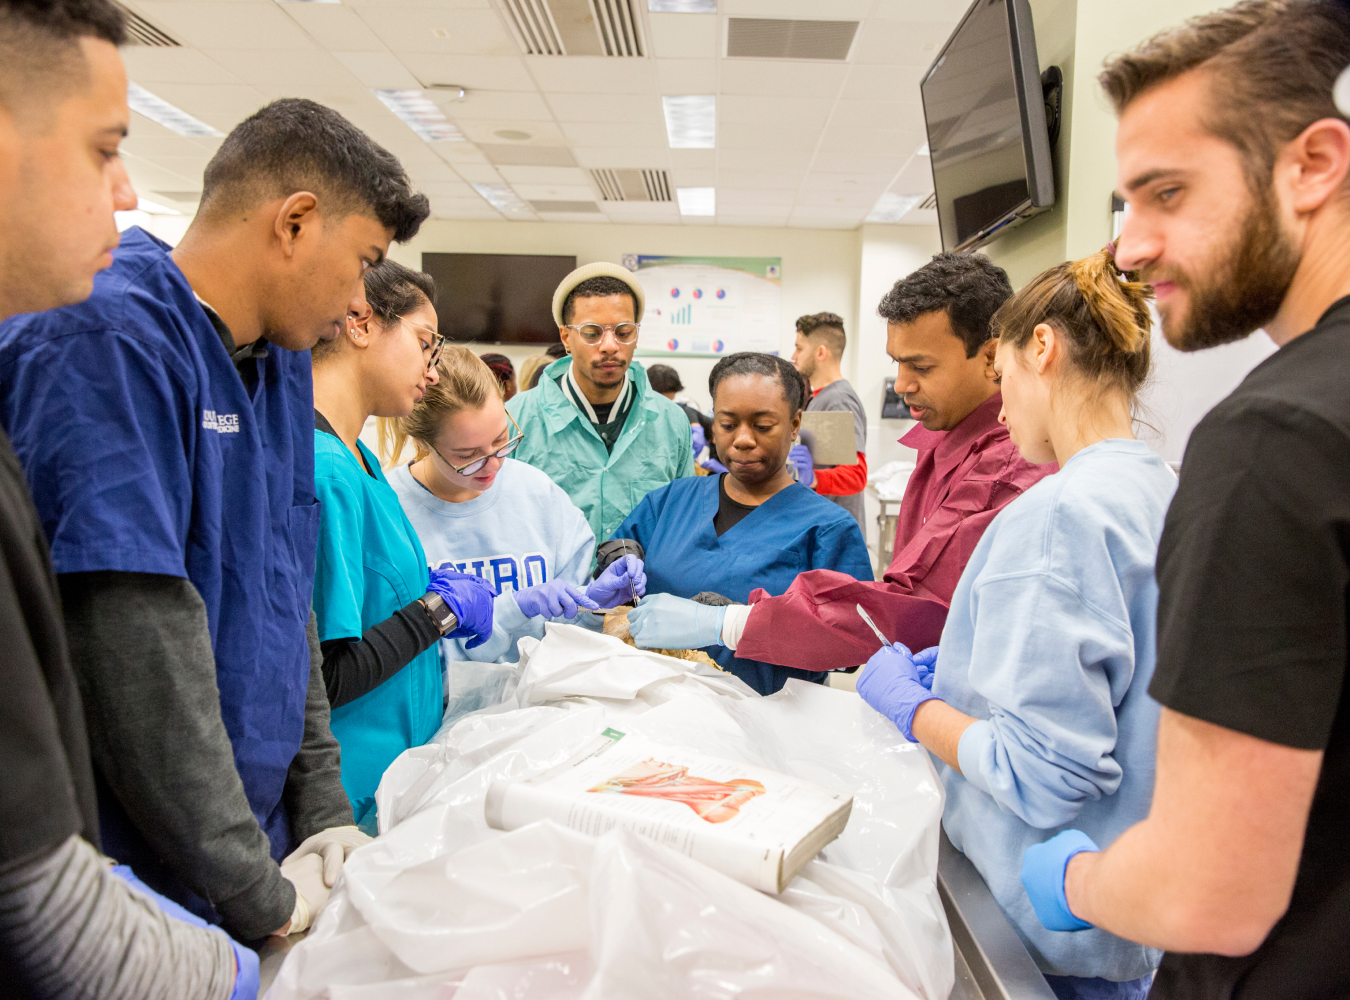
(985, 115)
(497, 298)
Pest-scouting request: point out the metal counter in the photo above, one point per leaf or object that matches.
(991, 961)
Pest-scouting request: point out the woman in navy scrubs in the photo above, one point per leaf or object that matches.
(752, 526)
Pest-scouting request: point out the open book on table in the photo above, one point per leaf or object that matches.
(756, 825)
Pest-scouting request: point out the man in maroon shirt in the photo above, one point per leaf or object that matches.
(937, 331)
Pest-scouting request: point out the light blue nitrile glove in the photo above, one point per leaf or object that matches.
(800, 459)
(891, 684)
(664, 621)
(555, 599)
(926, 661)
(699, 438)
(470, 598)
(621, 580)
(246, 974)
(712, 465)
(1043, 868)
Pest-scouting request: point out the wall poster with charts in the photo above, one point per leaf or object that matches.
(708, 306)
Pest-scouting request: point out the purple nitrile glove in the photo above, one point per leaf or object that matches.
(555, 599)
(1043, 869)
(890, 683)
(246, 971)
(470, 598)
(622, 581)
(926, 661)
(800, 459)
(713, 465)
(699, 438)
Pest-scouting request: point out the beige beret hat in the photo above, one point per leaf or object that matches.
(600, 269)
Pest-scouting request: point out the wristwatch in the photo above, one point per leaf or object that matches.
(439, 612)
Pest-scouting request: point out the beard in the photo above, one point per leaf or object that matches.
(1243, 291)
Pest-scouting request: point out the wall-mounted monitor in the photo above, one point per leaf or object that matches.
(987, 137)
(497, 298)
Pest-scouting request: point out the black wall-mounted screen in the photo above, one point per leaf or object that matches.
(987, 137)
(497, 298)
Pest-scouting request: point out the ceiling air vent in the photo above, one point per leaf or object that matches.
(565, 206)
(929, 203)
(778, 38)
(142, 32)
(575, 27)
(632, 185)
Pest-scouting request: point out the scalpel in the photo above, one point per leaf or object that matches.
(872, 625)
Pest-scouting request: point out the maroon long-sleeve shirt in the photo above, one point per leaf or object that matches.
(961, 480)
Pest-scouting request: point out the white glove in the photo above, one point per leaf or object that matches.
(311, 892)
(333, 845)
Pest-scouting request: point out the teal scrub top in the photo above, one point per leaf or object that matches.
(370, 564)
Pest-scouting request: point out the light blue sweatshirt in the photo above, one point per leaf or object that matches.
(1051, 642)
(522, 531)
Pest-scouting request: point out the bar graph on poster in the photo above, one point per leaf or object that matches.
(708, 306)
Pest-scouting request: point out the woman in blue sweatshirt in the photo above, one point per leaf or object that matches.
(1039, 706)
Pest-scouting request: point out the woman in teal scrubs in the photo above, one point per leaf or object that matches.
(380, 612)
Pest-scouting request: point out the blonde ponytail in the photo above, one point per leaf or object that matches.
(465, 383)
(1118, 304)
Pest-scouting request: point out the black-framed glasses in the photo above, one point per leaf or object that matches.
(437, 342)
(592, 333)
(469, 468)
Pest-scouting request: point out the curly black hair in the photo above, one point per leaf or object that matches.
(754, 363)
(968, 287)
(593, 288)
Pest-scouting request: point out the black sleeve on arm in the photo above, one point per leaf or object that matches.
(314, 796)
(351, 669)
(141, 648)
(1252, 575)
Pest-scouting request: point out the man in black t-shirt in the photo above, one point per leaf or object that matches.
(1235, 162)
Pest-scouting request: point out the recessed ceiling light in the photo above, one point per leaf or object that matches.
(512, 134)
(892, 207)
(691, 120)
(161, 112)
(448, 91)
(502, 198)
(682, 6)
(416, 110)
(697, 201)
(155, 208)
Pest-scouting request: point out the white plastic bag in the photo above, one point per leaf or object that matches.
(440, 906)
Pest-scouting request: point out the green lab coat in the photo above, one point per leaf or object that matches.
(653, 449)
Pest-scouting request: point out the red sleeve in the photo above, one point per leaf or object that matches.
(842, 480)
(815, 625)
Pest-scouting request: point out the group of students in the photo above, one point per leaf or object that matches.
(224, 619)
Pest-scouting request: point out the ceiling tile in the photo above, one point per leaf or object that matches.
(623, 157)
(623, 133)
(903, 43)
(593, 75)
(740, 109)
(527, 154)
(681, 177)
(877, 114)
(478, 173)
(841, 161)
(782, 78)
(378, 69)
(447, 189)
(782, 180)
(471, 71)
(541, 133)
(227, 25)
(873, 142)
(683, 36)
(754, 159)
(750, 220)
(686, 76)
(332, 26)
(769, 137)
(555, 192)
(837, 9)
(197, 99)
(592, 217)
(916, 178)
(307, 71)
(860, 201)
(641, 211)
(693, 159)
(439, 29)
(499, 105)
(149, 66)
(545, 175)
(892, 83)
(757, 198)
(609, 108)
(436, 4)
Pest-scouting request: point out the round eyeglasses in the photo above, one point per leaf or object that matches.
(592, 333)
(469, 468)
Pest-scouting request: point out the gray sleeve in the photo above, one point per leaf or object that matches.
(142, 653)
(315, 798)
(72, 930)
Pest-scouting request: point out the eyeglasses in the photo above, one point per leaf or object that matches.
(469, 468)
(624, 333)
(437, 343)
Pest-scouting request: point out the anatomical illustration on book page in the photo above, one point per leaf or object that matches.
(713, 801)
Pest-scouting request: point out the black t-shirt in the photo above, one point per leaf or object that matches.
(46, 779)
(729, 512)
(1254, 577)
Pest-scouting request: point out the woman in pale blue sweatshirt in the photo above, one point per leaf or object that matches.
(480, 512)
(1039, 706)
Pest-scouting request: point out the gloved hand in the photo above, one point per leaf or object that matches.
(926, 661)
(555, 599)
(799, 457)
(712, 465)
(470, 598)
(332, 846)
(1043, 867)
(621, 579)
(311, 892)
(890, 683)
(664, 621)
(246, 974)
(700, 439)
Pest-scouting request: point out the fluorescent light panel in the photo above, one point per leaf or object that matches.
(893, 207)
(682, 6)
(502, 198)
(161, 112)
(691, 120)
(416, 110)
(697, 201)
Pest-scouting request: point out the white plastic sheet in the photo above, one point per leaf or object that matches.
(441, 907)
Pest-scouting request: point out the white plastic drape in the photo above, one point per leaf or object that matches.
(441, 906)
